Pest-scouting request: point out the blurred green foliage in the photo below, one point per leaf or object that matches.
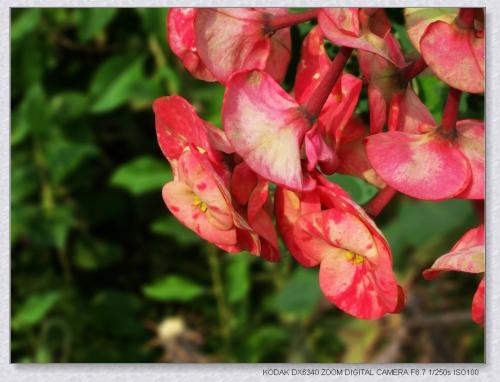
(101, 272)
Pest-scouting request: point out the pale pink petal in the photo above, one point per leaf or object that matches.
(265, 126)
(179, 199)
(231, 39)
(199, 177)
(470, 260)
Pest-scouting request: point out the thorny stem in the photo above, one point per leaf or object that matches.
(318, 98)
(450, 112)
(414, 69)
(465, 18)
(284, 21)
(218, 290)
(378, 203)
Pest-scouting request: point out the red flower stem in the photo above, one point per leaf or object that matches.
(450, 112)
(283, 21)
(414, 69)
(378, 203)
(318, 98)
(465, 18)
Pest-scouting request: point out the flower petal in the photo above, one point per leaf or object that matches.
(418, 19)
(412, 115)
(358, 289)
(265, 126)
(353, 161)
(318, 232)
(181, 41)
(461, 64)
(470, 260)
(424, 166)
(371, 32)
(472, 238)
(199, 176)
(478, 304)
(179, 199)
(178, 126)
(281, 47)
(471, 142)
(231, 39)
(314, 62)
(289, 206)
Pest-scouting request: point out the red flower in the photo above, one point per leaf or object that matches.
(180, 26)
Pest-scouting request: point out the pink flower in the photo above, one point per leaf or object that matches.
(467, 255)
(360, 28)
(199, 196)
(232, 39)
(461, 64)
(426, 161)
(327, 228)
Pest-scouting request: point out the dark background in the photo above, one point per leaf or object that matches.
(101, 272)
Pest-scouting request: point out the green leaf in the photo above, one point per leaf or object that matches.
(153, 22)
(64, 157)
(238, 277)
(69, 105)
(357, 188)
(433, 93)
(92, 21)
(24, 21)
(173, 288)
(113, 82)
(142, 175)
(31, 116)
(300, 295)
(34, 310)
(266, 339)
(24, 181)
(93, 255)
(59, 223)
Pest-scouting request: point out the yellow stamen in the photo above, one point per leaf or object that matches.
(197, 202)
(349, 255)
(354, 258)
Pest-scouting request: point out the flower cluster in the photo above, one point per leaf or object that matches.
(294, 140)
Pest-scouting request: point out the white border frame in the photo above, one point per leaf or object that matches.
(248, 372)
